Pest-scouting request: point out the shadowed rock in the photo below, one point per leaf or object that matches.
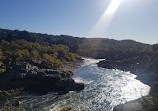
(33, 79)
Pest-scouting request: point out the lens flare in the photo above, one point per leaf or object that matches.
(100, 28)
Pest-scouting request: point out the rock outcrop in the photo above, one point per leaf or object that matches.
(32, 77)
(136, 105)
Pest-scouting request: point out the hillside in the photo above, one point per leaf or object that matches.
(89, 47)
(36, 63)
(13, 35)
(60, 49)
(106, 48)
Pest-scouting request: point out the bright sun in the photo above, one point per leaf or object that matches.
(113, 7)
(99, 30)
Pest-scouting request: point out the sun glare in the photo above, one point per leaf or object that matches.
(113, 7)
(99, 30)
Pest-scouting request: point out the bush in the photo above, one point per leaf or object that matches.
(2, 71)
(57, 63)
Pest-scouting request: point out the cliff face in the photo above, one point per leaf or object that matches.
(30, 77)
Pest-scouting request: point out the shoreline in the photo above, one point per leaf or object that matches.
(27, 84)
(144, 76)
(141, 104)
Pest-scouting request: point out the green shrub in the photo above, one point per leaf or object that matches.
(2, 71)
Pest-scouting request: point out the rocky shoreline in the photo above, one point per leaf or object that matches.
(135, 105)
(139, 68)
(145, 74)
(32, 77)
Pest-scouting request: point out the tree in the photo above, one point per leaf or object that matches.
(34, 54)
(1, 54)
(155, 47)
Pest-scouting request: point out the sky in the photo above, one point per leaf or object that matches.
(133, 19)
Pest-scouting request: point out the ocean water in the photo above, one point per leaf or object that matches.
(104, 89)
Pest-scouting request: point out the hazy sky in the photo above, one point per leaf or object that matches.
(134, 19)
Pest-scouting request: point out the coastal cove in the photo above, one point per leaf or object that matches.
(104, 89)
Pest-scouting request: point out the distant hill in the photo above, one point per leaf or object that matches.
(104, 48)
(12, 35)
(89, 47)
